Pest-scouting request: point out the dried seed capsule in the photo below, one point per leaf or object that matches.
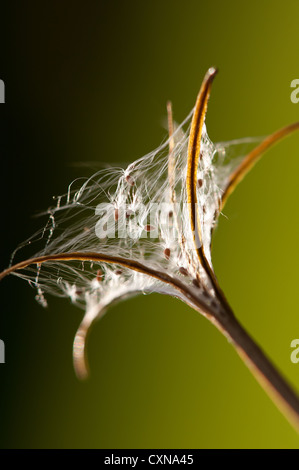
(167, 253)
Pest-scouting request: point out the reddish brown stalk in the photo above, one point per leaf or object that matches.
(194, 148)
(269, 378)
(252, 158)
(126, 263)
(251, 354)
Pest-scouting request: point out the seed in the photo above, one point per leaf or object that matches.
(200, 183)
(170, 214)
(118, 272)
(129, 213)
(195, 282)
(183, 271)
(99, 275)
(167, 253)
(130, 180)
(116, 214)
(149, 228)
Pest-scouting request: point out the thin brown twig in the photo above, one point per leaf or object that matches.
(125, 262)
(249, 161)
(252, 158)
(194, 148)
(252, 355)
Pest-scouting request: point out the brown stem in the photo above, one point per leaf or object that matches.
(194, 149)
(251, 159)
(266, 374)
(252, 355)
(178, 285)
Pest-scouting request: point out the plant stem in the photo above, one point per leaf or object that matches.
(261, 367)
(252, 355)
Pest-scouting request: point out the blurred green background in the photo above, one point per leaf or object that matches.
(87, 83)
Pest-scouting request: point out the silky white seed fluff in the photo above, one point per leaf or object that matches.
(136, 213)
